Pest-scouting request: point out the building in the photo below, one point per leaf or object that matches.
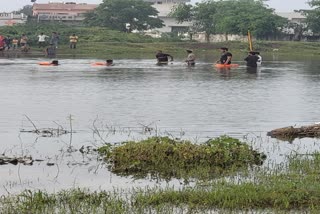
(63, 12)
(9, 19)
(164, 8)
(293, 17)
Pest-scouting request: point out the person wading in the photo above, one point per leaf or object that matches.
(163, 57)
(226, 56)
(191, 58)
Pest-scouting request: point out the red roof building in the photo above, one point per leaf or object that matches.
(55, 11)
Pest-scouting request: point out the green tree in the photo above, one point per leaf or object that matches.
(202, 16)
(232, 17)
(313, 16)
(115, 14)
(27, 10)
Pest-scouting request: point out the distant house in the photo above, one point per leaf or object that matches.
(293, 17)
(164, 8)
(9, 19)
(62, 12)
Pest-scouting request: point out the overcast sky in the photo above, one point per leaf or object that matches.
(279, 5)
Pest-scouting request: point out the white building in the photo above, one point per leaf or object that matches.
(9, 19)
(164, 8)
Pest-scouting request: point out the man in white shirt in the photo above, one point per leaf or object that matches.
(42, 40)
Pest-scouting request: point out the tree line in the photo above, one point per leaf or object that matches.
(208, 16)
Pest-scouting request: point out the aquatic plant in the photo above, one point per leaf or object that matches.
(294, 187)
(163, 157)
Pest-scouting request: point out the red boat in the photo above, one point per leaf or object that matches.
(1, 43)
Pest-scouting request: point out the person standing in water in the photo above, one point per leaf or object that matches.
(260, 58)
(163, 57)
(252, 60)
(51, 51)
(226, 56)
(191, 58)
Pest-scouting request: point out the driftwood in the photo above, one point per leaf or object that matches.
(290, 133)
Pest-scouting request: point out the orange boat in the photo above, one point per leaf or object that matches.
(46, 64)
(226, 66)
(99, 64)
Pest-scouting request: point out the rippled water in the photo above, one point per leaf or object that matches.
(196, 103)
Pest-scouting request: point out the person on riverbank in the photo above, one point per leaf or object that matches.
(23, 41)
(226, 56)
(73, 41)
(15, 42)
(42, 40)
(51, 51)
(7, 43)
(163, 58)
(191, 58)
(55, 39)
(252, 60)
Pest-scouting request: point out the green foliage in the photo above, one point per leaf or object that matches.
(231, 17)
(73, 201)
(313, 16)
(116, 14)
(163, 157)
(294, 189)
(86, 34)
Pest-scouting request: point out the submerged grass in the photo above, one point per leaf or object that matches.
(296, 188)
(165, 158)
(72, 201)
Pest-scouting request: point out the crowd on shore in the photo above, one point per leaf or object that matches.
(22, 43)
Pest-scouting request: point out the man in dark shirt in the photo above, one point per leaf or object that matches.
(252, 59)
(163, 57)
(225, 56)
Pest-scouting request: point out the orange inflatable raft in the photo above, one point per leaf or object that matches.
(99, 64)
(47, 64)
(226, 66)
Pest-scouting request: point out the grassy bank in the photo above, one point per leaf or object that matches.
(293, 187)
(165, 158)
(95, 42)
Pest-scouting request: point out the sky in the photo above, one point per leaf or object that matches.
(279, 5)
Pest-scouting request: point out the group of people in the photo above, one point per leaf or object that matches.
(163, 58)
(253, 59)
(43, 40)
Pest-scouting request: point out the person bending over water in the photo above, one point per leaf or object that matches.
(226, 56)
(163, 57)
(252, 60)
(191, 58)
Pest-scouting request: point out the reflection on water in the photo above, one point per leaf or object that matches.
(195, 103)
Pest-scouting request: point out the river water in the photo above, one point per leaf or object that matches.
(135, 96)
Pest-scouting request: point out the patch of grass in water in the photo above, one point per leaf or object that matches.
(71, 201)
(295, 188)
(165, 158)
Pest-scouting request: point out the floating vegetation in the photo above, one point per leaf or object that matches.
(296, 188)
(162, 157)
(48, 132)
(290, 133)
(15, 160)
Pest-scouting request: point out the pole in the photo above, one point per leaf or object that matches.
(250, 40)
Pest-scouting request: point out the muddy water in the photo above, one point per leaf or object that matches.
(193, 103)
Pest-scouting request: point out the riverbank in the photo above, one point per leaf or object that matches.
(133, 50)
(288, 187)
